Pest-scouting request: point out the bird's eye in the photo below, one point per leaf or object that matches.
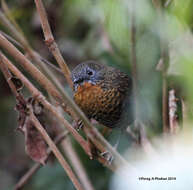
(90, 73)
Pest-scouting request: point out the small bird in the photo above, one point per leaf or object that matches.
(103, 93)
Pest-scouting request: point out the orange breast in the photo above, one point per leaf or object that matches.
(87, 97)
(102, 105)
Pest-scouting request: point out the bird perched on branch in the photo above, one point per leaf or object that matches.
(103, 93)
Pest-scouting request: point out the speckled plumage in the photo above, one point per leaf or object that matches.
(103, 93)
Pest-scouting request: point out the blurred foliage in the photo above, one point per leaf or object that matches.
(100, 30)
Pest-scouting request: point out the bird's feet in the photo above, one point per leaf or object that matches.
(78, 125)
(107, 156)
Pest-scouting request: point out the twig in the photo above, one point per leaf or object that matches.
(7, 23)
(167, 3)
(163, 64)
(36, 54)
(165, 104)
(134, 65)
(157, 4)
(133, 61)
(134, 57)
(8, 77)
(132, 135)
(11, 39)
(185, 113)
(36, 57)
(29, 67)
(36, 166)
(55, 151)
(73, 157)
(50, 42)
(27, 176)
(22, 41)
(76, 164)
(92, 141)
(94, 134)
(174, 124)
(8, 14)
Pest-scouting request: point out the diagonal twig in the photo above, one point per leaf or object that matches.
(36, 166)
(50, 42)
(55, 150)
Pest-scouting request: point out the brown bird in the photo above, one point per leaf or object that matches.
(103, 93)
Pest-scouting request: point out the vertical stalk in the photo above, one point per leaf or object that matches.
(164, 65)
(134, 58)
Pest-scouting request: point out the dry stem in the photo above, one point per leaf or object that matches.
(29, 67)
(76, 164)
(36, 166)
(50, 42)
(164, 66)
(174, 123)
(55, 151)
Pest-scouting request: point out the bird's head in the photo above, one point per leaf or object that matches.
(89, 71)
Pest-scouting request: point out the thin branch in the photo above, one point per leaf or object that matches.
(9, 15)
(134, 60)
(94, 134)
(76, 164)
(73, 157)
(29, 67)
(165, 104)
(35, 53)
(185, 113)
(50, 42)
(163, 64)
(36, 166)
(133, 54)
(157, 4)
(167, 3)
(174, 123)
(55, 150)
(8, 77)
(8, 25)
(22, 41)
(36, 57)
(27, 176)
(11, 39)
